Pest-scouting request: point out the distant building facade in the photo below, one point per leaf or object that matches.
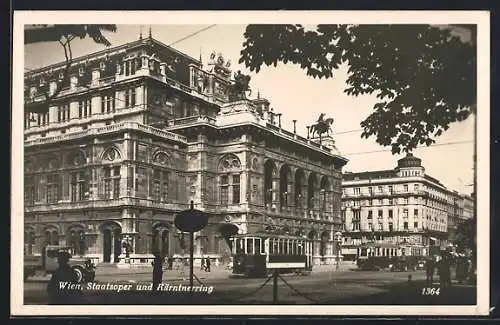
(404, 211)
(138, 131)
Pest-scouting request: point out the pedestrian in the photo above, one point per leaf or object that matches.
(444, 271)
(183, 267)
(207, 263)
(157, 271)
(203, 266)
(170, 262)
(58, 289)
(429, 268)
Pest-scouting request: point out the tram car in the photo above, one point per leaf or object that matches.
(258, 254)
(389, 256)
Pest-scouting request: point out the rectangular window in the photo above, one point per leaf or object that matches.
(415, 212)
(391, 226)
(223, 190)
(405, 225)
(84, 108)
(415, 187)
(160, 185)
(116, 182)
(52, 188)
(390, 214)
(63, 113)
(380, 189)
(370, 190)
(29, 190)
(415, 225)
(370, 214)
(405, 213)
(390, 189)
(405, 188)
(380, 213)
(357, 191)
(236, 189)
(107, 183)
(78, 186)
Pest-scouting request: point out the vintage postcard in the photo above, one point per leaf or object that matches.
(274, 163)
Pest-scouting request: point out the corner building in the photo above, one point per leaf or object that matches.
(402, 211)
(139, 131)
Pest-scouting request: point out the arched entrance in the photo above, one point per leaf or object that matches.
(312, 237)
(323, 244)
(76, 239)
(161, 240)
(269, 170)
(311, 188)
(284, 180)
(111, 242)
(299, 184)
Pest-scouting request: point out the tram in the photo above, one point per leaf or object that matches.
(378, 256)
(253, 254)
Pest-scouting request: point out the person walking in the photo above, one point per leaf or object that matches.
(157, 271)
(59, 288)
(207, 263)
(203, 265)
(429, 268)
(444, 271)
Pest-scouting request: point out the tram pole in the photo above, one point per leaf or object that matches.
(275, 286)
(191, 253)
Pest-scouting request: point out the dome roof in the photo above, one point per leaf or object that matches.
(409, 161)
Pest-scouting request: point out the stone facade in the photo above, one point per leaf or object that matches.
(140, 132)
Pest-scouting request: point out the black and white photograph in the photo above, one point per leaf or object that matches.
(250, 162)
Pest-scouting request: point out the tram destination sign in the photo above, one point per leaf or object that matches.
(285, 261)
(285, 265)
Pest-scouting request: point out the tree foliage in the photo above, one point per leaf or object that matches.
(64, 34)
(423, 76)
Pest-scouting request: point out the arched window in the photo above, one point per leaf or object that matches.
(51, 236)
(229, 180)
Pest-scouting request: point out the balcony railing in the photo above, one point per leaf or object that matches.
(385, 193)
(107, 129)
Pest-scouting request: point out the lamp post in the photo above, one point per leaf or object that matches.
(191, 221)
(294, 126)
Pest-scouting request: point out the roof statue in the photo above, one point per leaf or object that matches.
(239, 86)
(219, 65)
(322, 126)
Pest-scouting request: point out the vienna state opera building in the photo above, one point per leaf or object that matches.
(134, 133)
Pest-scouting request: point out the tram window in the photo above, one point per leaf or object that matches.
(233, 245)
(263, 246)
(281, 246)
(257, 248)
(275, 247)
(249, 247)
(240, 249)
(294, 247)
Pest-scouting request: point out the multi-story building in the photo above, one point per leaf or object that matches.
(403, 210)
(139, 131)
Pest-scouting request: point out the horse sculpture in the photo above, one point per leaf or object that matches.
(322, 126)
(238, 88)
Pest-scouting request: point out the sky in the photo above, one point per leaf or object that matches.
(297, 96)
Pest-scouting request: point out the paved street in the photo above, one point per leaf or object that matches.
(324, 286)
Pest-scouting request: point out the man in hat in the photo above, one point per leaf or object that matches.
(60, 282)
